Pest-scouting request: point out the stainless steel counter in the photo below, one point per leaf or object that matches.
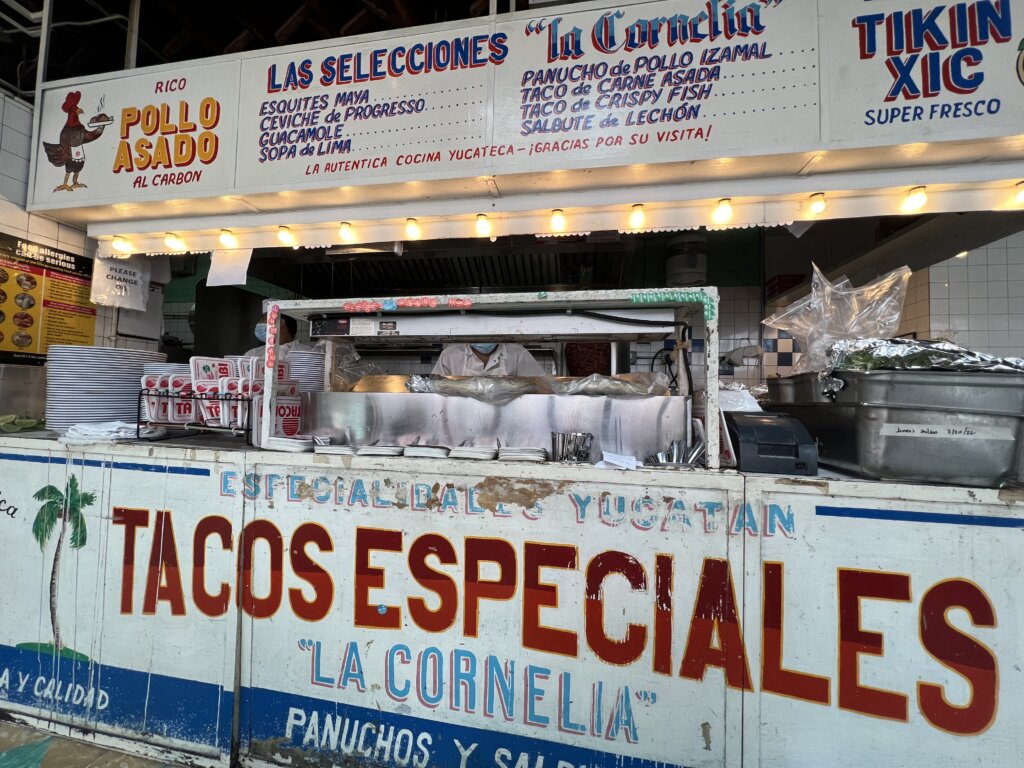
(631, 426)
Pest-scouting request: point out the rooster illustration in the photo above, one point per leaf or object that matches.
(70, 151)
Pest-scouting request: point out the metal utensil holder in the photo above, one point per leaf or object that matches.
(571, 447)
(194, 427)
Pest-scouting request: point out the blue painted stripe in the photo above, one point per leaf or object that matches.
(127, 465)
(265, 714)
(138, 702)
(943, 518)
(31, 459)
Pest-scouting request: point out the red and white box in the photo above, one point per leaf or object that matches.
(207, 398)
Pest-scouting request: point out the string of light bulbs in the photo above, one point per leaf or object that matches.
(914, 200)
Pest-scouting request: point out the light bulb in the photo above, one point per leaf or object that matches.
(961, 255)
(174, 242)
(557, 220)
(346, 233)
(1019, 197)
(723, 211)
(817, 205)
(228, 239)
(285, 236)
(915, 200)
(637, 217)
(412, 229)
(121, 245)
(483, 225)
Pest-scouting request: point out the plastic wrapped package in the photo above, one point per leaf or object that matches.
(349, 367)
(837, 312)
(488, 389)
(641, 384)
(502, 389)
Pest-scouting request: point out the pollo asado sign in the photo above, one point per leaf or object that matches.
(143, 136)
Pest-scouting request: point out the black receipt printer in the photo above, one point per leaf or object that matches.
(771, 442)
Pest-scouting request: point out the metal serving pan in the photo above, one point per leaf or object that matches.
(922, 426)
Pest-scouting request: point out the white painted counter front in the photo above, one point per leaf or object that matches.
(460, 614)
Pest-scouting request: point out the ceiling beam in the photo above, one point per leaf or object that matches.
(258, 24)
(376, 10)
(354, 24)
(176, 43)
(407, 17)
(241, 41)
(204, 32)
(291, 25)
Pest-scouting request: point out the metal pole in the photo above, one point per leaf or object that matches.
(494, 8)
(45, 20)
(45, 23)
(131, 48)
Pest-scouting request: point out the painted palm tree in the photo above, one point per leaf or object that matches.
(66, 508)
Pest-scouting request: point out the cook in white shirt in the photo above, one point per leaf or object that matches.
(486, 360)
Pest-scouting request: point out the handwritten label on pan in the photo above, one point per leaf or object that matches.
(948, 432)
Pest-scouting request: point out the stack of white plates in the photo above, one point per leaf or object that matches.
(380, 450)
(335, 450)
(469, 452)
(426, 451)
(166, 369)
(308, 369)
(290, 444)
(86, 385)
(535, 455)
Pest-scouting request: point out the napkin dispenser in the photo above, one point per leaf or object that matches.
(773, 443)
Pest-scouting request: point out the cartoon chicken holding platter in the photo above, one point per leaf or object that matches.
(70, 152)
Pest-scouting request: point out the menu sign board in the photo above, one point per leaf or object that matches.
(44, 300)
(380, 108)
(658, 82)
(557, 88)
(645, 81)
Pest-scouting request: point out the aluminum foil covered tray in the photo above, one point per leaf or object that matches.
(914, 355)
(953, 427)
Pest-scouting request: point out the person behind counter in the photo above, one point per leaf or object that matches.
(286, 341)
(488, 359)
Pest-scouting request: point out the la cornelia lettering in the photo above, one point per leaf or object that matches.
(929, 52)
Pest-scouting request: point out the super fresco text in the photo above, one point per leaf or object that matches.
(951, 67)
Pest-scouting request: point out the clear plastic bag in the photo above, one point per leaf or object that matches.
(488, 389)
(641, 384)
(835, 312)
(349, 367)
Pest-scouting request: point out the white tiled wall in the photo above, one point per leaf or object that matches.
(739, 325)
(15, 140)
(106, 333)
(917, 307)
(978, 301)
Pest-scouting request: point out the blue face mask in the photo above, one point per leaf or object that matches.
(484, 349)
(261, 332)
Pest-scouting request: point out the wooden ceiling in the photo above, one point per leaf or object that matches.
(89, 36)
